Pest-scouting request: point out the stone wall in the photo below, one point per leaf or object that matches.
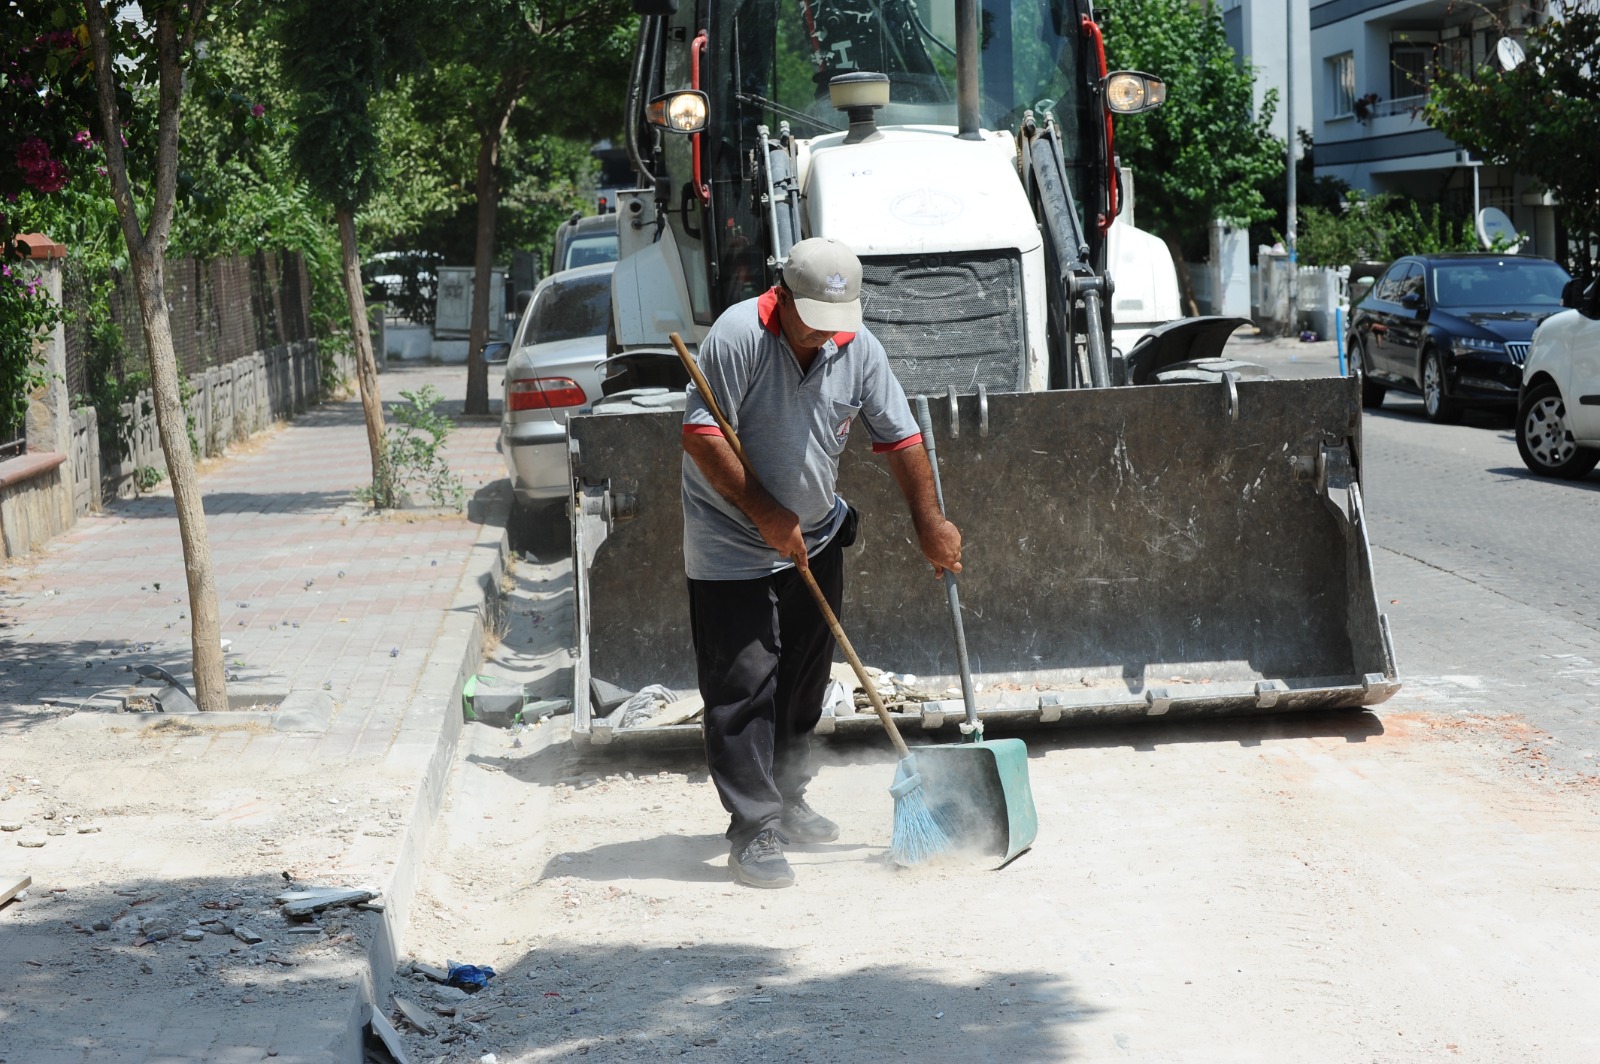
(230, 404)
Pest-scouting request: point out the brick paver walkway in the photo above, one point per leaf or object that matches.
(191, 821)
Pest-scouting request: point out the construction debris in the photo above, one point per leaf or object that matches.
(11, 886)
(298, 904)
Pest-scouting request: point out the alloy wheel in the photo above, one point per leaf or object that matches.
(1544, 430)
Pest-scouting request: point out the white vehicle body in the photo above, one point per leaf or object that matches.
(910, 191)
(1558, 411)
(1566, 347)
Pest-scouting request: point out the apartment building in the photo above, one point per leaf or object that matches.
(1372, 65)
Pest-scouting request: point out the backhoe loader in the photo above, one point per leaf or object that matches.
(1150, 530)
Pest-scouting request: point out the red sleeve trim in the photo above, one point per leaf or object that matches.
(706, 430)
(909, 441)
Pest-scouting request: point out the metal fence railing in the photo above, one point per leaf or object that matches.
(221, 310)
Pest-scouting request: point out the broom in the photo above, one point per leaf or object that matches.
(917, 834)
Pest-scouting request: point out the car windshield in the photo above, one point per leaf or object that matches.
(1499, 282)
(589, 250)
(566, 310)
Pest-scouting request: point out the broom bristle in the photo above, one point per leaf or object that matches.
(917, 834)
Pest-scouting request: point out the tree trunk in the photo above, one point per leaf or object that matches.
(384, 490)
(488, 192)
(205, 628)
(147, 250)
(1191, 308)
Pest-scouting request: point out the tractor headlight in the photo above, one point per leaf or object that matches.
(1129, 92)
(678, 112)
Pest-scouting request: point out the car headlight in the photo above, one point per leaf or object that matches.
(1473, 343)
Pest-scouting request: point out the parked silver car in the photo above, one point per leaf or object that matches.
(553, 372)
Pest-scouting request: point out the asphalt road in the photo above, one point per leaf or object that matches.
(1490, 575)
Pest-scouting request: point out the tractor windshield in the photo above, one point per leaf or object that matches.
(780, 54)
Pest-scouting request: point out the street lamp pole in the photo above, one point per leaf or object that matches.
(1293, 211)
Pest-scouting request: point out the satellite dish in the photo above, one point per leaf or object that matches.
(1493, 224)
(1509, 53)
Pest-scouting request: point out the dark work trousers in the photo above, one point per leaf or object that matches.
(764, 652)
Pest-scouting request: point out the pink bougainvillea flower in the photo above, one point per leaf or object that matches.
(51, 177)
(83, 138)
(32, 153)
(258, 110)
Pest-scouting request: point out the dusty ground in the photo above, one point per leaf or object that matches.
(1408, 886)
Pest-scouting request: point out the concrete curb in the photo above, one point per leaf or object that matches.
(425, 745)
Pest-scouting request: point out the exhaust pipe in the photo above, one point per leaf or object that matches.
(967, 120)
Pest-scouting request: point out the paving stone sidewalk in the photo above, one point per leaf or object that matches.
(130, 823)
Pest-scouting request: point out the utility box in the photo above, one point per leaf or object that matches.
(453, 310)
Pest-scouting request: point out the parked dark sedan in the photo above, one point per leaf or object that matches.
(1453, 329)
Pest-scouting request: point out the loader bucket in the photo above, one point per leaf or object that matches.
(1175, 550)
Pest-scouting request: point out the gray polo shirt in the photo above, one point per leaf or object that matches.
(793, 427)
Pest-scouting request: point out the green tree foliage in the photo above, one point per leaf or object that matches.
(1201, 156)
(1541, 118)
(1378, 229)
(568, 60)
(338, 55)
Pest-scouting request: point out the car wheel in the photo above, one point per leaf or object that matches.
(1435, 403)
(1545, 439)
(1372, 393)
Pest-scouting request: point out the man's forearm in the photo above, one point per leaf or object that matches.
(915, 476)
(939, 539)
(778, 525)
(716, 461)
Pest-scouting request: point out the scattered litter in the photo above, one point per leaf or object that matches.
(469, 977)
(836, 701)
(643, 706)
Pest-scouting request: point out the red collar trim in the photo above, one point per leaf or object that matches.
(767, 310)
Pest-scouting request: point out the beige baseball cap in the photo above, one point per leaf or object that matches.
(824, 276)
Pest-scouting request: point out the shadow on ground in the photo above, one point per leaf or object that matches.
(1590, 482)
(103, 972)
(717, 1001)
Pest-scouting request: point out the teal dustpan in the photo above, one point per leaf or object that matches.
(978, 790)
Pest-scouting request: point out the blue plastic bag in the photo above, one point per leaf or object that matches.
(469, 977)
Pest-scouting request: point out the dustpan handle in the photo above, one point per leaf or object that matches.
(925, 423)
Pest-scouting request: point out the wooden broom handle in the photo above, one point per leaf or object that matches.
(811, 582)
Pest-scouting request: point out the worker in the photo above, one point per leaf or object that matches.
(792, 370)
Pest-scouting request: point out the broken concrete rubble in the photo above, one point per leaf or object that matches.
(302, 903)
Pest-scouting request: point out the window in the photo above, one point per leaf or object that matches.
(1342, 83)
(1410, 70)
(1389, 288)
(1455, 55)
(570, 309)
